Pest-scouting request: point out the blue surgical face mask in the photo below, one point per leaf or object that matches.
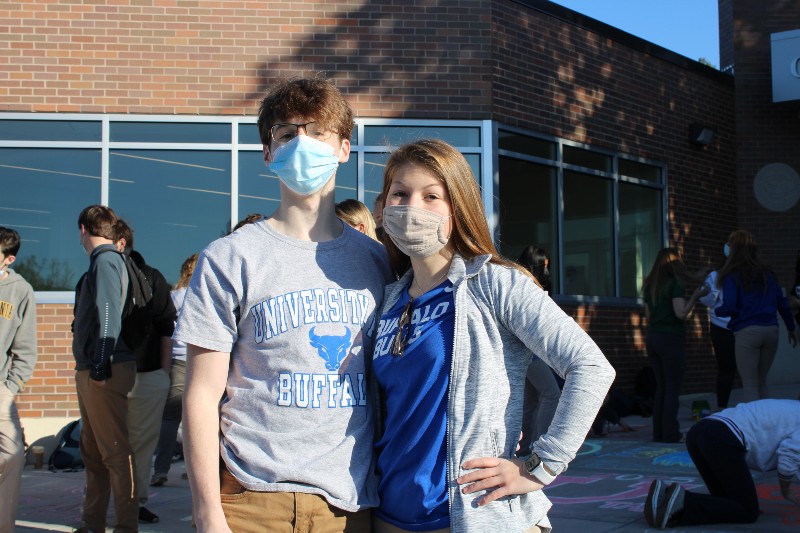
(726, 250)
(304, 164)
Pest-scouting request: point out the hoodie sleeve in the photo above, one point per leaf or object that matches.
(111, 282)
(789, 456)
(23, 351)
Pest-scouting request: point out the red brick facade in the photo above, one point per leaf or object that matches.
(539, 67)
(766, 132)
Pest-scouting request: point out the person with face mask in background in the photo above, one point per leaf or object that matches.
(278, 316)
(752, 298)
(454, 340)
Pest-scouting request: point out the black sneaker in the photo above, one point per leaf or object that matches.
(654, 497)
(158, 479)
(671, 507)
(147, 517)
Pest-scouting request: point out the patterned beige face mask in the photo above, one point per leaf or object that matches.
(416, 232)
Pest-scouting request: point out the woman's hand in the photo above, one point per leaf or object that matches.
(504, 476)
(793, 338)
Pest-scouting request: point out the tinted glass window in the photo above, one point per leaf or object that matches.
(526, 145)
(527, 210)
(177, 202)
(587, 158)
(259, 188)
(397, 135)
(588, 237)
(50, 130)
(248, 134)
(642, 171)
(639, 235)
(170, 132)
(44, 190)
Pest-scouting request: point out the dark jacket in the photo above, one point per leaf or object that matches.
(96, 341)
(148, 357)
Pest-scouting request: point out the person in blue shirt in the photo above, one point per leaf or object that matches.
(752, 297)
(454, 341)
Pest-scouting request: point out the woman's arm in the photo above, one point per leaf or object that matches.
(527, 312)
(683, 307)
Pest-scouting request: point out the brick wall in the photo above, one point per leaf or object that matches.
(592, 89)
(538, 66)
(51, 390)
(765, 132)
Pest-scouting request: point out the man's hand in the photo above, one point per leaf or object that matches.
(505, 476)
(98, 383)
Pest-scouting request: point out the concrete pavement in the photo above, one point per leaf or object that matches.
(603, 490)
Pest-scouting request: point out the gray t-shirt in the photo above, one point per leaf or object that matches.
(298, 318)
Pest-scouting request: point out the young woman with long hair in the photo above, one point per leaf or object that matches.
(666, 308)
(752, 297)
(454, 341)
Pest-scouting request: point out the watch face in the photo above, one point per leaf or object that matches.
(532, 462)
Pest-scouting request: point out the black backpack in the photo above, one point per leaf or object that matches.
(67, 454)
(137, 313)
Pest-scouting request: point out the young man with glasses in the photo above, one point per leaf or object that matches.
(279, 318)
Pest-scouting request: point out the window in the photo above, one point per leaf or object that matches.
(603, 240)
(588, 239)
(176, 201)
(44, 190)
(527, 209)
(180, 182)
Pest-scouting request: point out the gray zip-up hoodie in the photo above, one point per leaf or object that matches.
(501, 316)
(17, 331)
(96, 341)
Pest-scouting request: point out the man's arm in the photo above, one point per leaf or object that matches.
(111, 288)
(206, 376)
(23, 351)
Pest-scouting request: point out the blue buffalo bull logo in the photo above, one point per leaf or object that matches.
(332, 348)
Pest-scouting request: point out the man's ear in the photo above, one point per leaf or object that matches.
(265, 151)
(10, 259)
(120, 244)
(344, 152)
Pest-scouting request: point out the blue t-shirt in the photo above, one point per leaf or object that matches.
(412, 453)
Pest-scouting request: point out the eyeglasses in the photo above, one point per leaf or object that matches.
(400, 340)
(283, 133)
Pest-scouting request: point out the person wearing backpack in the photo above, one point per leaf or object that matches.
(153, 357)
(105, 372)
(18, 344)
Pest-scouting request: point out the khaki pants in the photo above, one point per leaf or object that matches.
(285, 512)
(12, 459)
(379, 526)
(145, 405)
(106, 450)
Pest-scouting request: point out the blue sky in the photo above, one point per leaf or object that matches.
(688, 27)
